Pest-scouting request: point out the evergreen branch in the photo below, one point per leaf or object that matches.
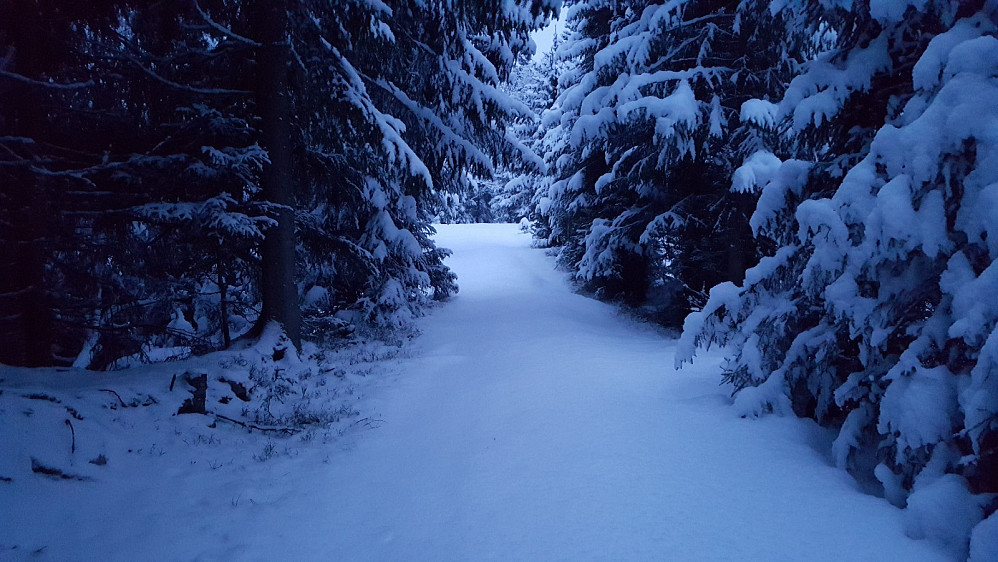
(430, 117)
(222, 29)
(53, 85)
(186, 88)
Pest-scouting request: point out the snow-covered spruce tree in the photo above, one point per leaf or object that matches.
(168, 146)
(356, 86)
(535, 84)
(138, 170)
(186, 240)
(415, 86)
(871, 314)
(642, 148)
(473, 200)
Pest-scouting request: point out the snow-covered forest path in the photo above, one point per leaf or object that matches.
(537, 424)
(526, 423)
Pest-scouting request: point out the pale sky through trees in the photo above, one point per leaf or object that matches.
(544, 38)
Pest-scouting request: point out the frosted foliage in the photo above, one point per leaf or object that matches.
(894, 490)
(587, 110)
(221, 215)
(703, 328)
(943, 510)
(642, 126)
(929, 68)
(979, 400)
(777, 184)
(419, 128)
(984, 540)
(398, 299)
(893, 10)
(517, 188)
(920, 407)
(965, 110)
(817, 95)
(877, 303)
(850, 436)
(760, 112)
(600, 256)
(770, 397)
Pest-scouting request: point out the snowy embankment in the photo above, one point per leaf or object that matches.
(526, 423)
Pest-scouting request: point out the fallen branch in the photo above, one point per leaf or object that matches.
(123, 405)
(285, 430)
(367, 422)
(72, 431)
(39, 468)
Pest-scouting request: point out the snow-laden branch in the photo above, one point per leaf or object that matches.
(390, 127)
(434, 120)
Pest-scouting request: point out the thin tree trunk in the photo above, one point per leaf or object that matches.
(280, 293)
(223, 304)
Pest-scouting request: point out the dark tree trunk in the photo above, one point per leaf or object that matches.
(280, 293)
(741, 244)
(25, 316)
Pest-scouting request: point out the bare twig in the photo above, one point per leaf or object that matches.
(285, 430)
(123, 405)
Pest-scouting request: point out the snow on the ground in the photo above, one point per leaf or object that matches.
(526, 423)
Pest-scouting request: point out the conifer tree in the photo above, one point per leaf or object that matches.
(535, 83)
(642, 149)
(196, 169)
(862, 316)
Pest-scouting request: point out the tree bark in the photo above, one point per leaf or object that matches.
(280, 293)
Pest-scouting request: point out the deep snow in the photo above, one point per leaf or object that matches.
(526, 423)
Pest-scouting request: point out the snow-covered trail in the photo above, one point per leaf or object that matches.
(531, 424)
(537, 424)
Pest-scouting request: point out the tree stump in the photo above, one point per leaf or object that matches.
(199, 391)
